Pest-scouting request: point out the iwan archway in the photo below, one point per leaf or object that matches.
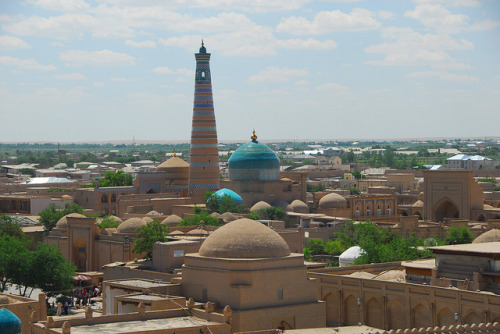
(444, 209)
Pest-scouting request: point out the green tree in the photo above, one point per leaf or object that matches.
(195, 219)
(107, 222)
(271, 213)
(334, 247)
(13, 258)
(312, 188)
(223, 204)
(51, 215)
(148, 234)
(8, 226)
(460, 235)
(116, 179)
(357, 175)
(313, 247)
(28, 171)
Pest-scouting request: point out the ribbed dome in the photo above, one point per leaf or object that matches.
(9, 322)
(173, 162)
(63, 222)
(490, 236)
(254, 161)
(332, 201)
(228, 192)
(260, 205)
(244, 238)
(299, 206)
(172, 220)
(130, 225)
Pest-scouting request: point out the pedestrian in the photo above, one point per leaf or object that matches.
(66, 305)
(59, 308)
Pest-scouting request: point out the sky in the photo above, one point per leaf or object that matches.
(111, 70)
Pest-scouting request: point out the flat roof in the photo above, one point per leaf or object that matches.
(487, 249)
(421, 264)
(139, 283)
(138, 326)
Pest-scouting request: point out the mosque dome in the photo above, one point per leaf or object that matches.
(332, 201)
(299, 206)
(130, 225)
(63, 222)
(173, 162)
(9, 322)
(259, 206)
(228, 192)
(254, 161)
(172, 220)
(490, 236)
(227, 217)
(244, 239)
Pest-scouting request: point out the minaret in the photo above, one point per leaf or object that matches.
(204, 172)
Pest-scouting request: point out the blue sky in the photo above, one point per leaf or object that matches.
(80, 70)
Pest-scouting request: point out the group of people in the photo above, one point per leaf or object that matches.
(81, 297)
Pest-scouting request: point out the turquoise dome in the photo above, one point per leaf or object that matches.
(228, 192)
(9, 322)
(254, 161)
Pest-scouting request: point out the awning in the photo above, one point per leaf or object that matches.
(81, 278)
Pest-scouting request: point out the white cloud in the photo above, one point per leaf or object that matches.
(308, 44)
(277, 74)
(123, 80)
(26, 64)
(97, 58)
(484, 25)
(61, 5)
(405, 47)
(439, 18)
(98, 84)
(443, 75)
(11, 43)
(453, 3)
(70, 76)
(332, 86)
(162, 70)
(57, 44)
(330, 21)
(143, 44)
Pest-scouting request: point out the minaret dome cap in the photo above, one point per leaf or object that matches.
(203, 49)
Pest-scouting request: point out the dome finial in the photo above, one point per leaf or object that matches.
(174, 153)
(254, 137)
(202, 44)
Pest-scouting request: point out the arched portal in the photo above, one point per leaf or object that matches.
(374, 313)
(332, 309)
(351, 309)
(445, 209)
(80, 254)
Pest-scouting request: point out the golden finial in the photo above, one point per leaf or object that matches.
(202, 44)
(254, 137)
(174, 153)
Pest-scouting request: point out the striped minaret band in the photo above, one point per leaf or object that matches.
(204, 154)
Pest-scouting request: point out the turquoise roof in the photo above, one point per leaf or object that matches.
(254, 155)
(228, 192)
(9, 322)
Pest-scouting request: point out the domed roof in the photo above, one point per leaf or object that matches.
(198, 232)
(487, 207)
(299, 206)
(66, 196)
(9, 322)
(172, 220)
(284, 206)
(244, 239)
(147, 219)
(418, 204)
(254, 161)
(227, 217)
(63, 222)
(215, 214)
(130, 225)
(351, 253)
(332, 201)
(490, 236)
(153, 213)
(173, 162)
(176, 233)
(260, 205)
(228, 192)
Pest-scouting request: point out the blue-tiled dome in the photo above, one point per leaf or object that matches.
(254, 161)
(228, 192)
(9, 322)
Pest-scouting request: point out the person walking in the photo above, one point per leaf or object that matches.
(66, 305)
(59, 308)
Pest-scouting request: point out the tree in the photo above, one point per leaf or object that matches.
(271, 213)
(315, 188)
(116, 179)
(13, 258)
(200, 215)
(8, 226)
(357, 175)
(51, 215)
(460, 235)
(107, 222)
(148, 234)
(223, 204)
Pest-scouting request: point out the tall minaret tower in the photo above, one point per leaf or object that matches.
(204, 172)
